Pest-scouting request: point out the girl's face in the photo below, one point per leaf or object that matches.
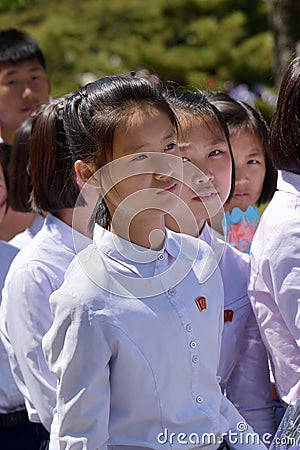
(146, 165)
(250, 169)
(207, 171)
(3, 195)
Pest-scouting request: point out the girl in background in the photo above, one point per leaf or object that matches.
(255, 174)
(139, 309)
(208, 183)
(39, 267)
(16, 431)
(274, 287)
(20, 183)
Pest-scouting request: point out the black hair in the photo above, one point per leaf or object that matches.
(51, 169)
(93, 112)
(5, 151)
(239, 117)
(197, 105)
(20, 182)
(285, 124)
(17, 46)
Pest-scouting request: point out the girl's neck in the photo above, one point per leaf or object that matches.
(216, 222)
(78, 222)
(8, 133)
(145, 229)
(190, 227)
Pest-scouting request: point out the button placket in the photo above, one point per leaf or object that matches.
(171, 292)
(199, 399)
(191, 342)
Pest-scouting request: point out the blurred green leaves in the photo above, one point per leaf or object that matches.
(197, 43)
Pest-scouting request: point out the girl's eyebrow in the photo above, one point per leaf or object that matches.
(255, 153)
(183, 145)
(216, 141)
(138, 148)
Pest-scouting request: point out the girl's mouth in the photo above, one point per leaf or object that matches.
(171, 188)
(240, 195)
(205, 196)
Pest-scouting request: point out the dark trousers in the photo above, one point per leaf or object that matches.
(30, 436)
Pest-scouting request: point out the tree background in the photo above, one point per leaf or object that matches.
(210, 44)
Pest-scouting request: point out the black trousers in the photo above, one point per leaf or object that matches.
(30, 436)
(224, 446)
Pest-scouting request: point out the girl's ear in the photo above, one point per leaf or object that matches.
(86, 172)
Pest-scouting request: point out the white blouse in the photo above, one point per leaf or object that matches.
(36, 272)
(243, 364)
(135, 345)
(24, 238)
(11, 399)
(274, 287)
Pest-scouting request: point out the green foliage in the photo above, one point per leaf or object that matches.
(11, 4)
(192, 42)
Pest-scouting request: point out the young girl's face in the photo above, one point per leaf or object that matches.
(3, 195)
(250, 169)
(207, 170)
(146, 165)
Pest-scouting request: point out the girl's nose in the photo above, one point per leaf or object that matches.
(241, 176)
(167, 166)
(203, 176)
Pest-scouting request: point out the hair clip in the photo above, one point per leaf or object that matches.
(81, 94)
(60, 108)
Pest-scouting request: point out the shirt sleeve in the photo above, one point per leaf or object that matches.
(240, 435)
(73, 344)
(28, 317)
(248, 387)
(274, 291)
(281, 272)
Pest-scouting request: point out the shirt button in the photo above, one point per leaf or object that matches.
(199, 399)
(188, 327)
(195, 359)
(161, 256)
(171, 291)
(193, 344)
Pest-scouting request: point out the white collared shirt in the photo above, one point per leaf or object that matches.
(135, 344)
(24, 238)
(275, 283)
(25, 313)
(11, 398)
(243, 364)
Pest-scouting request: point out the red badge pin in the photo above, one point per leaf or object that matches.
(228, 315)
(201, 303)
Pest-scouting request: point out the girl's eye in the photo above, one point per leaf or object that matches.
(185, 159)
(215, 153)
(171, 146)
(253, 161)
(140, 157)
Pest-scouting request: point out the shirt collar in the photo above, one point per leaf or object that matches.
(288, 182)
(36, 224)
(192, 252)
(65, 235)
(128, 254)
